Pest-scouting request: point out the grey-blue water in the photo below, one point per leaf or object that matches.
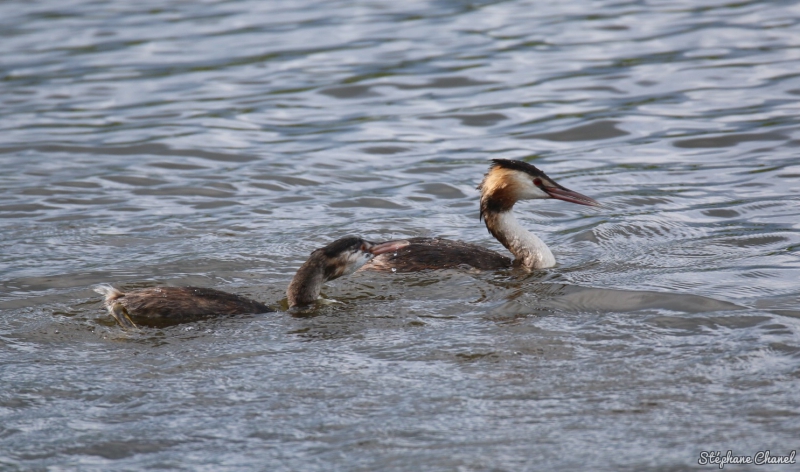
(218, 143)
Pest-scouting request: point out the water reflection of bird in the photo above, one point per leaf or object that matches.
(506, 182)
(159, 305)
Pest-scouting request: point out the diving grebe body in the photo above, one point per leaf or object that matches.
(160, 305)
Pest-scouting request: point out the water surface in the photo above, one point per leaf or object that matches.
(216, 144)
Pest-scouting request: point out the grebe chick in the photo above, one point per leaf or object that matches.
(505, 183)
(168, 305)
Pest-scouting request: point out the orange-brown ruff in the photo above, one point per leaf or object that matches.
(505, 183)
(499, 189)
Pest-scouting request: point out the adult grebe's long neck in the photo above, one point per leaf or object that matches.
(529, 250)
(501, 188)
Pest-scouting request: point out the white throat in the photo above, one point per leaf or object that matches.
(531, 251)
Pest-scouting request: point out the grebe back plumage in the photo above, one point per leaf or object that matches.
(506, 182)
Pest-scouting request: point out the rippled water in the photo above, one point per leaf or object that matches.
(218, 143)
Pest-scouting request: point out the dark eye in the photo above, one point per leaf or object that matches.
(537, 182)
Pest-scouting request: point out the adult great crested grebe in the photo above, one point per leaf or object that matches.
(162, 305)
(505, 183)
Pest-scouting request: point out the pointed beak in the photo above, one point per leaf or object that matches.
(390, 246)
(567, 195)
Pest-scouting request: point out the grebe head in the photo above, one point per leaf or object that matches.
(346, 255)
(510, 181)
(341, 257)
